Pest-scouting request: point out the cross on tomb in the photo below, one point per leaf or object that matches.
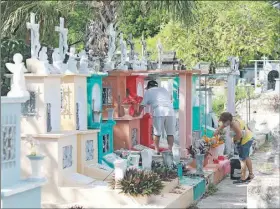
(63, 47)
(35, 44)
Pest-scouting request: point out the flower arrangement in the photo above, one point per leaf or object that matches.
(203, 148)
(129, 100)
(139, 183)
(214, 141)
(33, 143)
(138, 99)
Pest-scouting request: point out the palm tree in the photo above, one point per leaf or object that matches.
(108, 11)
(15, 15)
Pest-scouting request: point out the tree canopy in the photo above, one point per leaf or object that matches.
(245, 29)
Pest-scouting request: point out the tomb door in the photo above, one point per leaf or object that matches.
(49, 120)
(96, 102)
(67, 156)
(77, 116)
(134, 139)
(89, 150)
(271, 79)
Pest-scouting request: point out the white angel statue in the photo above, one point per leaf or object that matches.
(18, 88)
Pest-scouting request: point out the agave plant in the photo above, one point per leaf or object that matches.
(139, 183)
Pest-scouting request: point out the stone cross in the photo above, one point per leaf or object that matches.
(63, 47)
(159, 47)
(35, 43)
(144, 46)
(130, 42)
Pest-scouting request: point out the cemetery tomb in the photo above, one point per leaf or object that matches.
(97, 96)
(14, 189)
(198, 184)
(41, 113)
(126, 133)
(73, 102)
(135, 87)
(114, 92)
(105, 140)
(87, 146)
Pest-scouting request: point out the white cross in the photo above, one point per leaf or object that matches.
(35, 45)
(62, 38)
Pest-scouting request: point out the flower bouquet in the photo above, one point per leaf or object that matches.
(127, 104)
(137, 103)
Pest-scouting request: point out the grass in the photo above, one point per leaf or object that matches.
(212, 189)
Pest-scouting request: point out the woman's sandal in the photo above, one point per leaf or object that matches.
(240, 181)
(250, 177)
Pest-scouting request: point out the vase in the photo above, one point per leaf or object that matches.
(126, 109)
(110, 113)
(199, 163)
(167, 158)
(136, 108)
(36, 166)
(97, 117)
(176, 154)
(205, 163)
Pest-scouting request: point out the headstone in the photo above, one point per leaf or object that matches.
(83, 62)
(18, 88)
(35, 42)
(72, 62)
(133, 160)
(110, 159)
(147, 157)
(63, 46)
(120, 168)
(160, 50)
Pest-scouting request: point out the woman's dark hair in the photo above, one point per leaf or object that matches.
(225, 116)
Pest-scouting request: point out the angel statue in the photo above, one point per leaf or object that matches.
(72, 62)
(18, 88)
(57, 62)
(83, 62)
(43, 57)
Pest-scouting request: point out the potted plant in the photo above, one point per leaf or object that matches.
(139, 185)
(199, 155)
(35, 159)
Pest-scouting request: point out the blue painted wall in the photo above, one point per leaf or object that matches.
(10, 171)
